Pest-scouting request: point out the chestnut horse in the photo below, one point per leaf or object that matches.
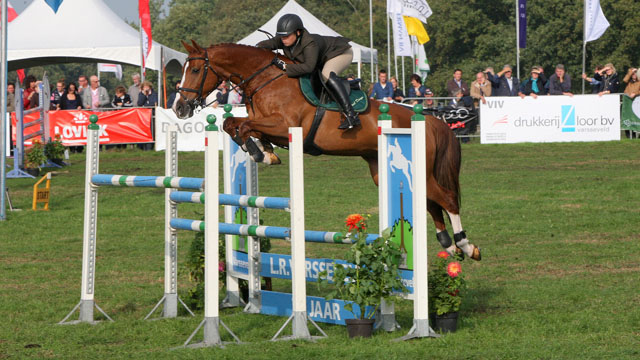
(275, 102)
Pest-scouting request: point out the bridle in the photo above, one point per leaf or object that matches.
(199, 100)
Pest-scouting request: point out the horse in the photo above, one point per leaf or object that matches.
(275, 102)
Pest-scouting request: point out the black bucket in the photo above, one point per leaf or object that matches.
(447, 322)
(359, 327)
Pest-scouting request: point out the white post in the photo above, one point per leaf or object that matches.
(233, 287)
(170, 234)
(518, 39)
(298, 277)
(253, 242)
(3, 109)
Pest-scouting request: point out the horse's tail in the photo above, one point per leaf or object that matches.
(447, 163)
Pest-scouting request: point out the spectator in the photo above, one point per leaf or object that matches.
(354, 82)
(480, 89)
(147, 96)
(83, 83)
(504, 83)
(456, 84)
(633, 85)
(134, 90)
(533, 85)
(30, 95)
(428, 94)
(71, 100)
(56, 94)
(95, 96)
(608, 78)
(398, 95)
(173, 95)
(236, 96)
(11, 97)
(222, 97)
(417, 89)
(560, 82)
(595, 84)
(382, 90)
(122, 99)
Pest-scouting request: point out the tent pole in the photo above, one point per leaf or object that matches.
(3, 110)
(160, 87)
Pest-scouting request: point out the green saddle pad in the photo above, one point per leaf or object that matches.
(358, 98)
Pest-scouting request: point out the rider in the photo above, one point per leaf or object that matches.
(331, 55)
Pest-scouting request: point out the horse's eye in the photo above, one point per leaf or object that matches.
(195, 70)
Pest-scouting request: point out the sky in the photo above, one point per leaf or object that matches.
(127, 9)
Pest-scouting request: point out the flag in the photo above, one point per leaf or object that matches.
(522, 16)
(415, 28)
(595, 24)
(401, 41)
(414, 8)
(54, 4)
(145, 25)
(630, 114)
(422, 64)
(114, 68)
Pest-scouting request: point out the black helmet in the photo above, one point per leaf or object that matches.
(288, 24)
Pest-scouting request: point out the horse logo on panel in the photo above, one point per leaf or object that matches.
(400, 162)
(238, 161)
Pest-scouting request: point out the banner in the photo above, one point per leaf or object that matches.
(401, 41)
(116, 127)
(595, 24)
(419, 9)
(191, 130)
(630, 117)
(550, 119)
(54, 4)
(522, 22)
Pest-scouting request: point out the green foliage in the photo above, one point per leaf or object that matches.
(445, 289)
(374, 274)
(54, 149)
(35, 156)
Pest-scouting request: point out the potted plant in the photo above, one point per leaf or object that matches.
(54, 150)
(372, 275)
(35, 157)
(445, 292)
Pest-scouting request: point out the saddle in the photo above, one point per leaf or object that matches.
(316, 93)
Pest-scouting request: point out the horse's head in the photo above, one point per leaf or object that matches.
(198, 80)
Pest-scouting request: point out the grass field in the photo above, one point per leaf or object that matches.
(558, 225)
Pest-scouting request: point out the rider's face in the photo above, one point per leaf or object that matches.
(289, 39)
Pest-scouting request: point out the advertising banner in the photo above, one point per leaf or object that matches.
(505, 120)
(191, 130)
(630, 118)
(116, 127)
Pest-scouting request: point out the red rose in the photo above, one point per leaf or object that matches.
(454, 269)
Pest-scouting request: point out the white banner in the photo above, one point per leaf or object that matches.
(595, 24)
(415, 8)
(191, 130)
(506, 120)
(401, 41)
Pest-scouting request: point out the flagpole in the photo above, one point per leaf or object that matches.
(402, 57)
(3, 109)
(141, 51)
(584, 43)
(388, 45)
(371, 36)
(518, 39)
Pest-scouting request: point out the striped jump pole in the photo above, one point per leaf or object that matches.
(211, 321)
(262, 202)
(87, 302)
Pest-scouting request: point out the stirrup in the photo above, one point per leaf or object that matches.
(349, 123)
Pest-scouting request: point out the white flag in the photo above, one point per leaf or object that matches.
(114, 68)
(414, 8)
(422, 62)
(401, 41)
(595, 24)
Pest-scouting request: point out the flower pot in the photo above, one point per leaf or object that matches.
(58, 162)
(447, 322)
(32, 171)
(359, 327)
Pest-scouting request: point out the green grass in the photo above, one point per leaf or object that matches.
(557, 224)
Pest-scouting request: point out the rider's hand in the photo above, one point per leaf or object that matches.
(280, 64)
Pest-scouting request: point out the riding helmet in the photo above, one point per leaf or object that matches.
(288, 24)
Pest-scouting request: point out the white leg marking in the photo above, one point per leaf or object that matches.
(457, 228)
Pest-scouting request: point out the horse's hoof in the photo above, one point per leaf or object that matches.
(271, 159)
(476, 254)
(459, 253)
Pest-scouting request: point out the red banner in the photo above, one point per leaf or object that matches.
(116, 127)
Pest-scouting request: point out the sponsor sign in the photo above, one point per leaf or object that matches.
(191, 130)
(116, 127)
(550, 119)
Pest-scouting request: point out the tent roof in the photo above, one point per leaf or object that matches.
(313, 25)
(81, 31)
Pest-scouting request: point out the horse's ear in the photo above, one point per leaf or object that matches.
(196, 46)
(189, 48)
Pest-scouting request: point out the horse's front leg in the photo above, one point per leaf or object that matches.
(260, 151)
(231, 126)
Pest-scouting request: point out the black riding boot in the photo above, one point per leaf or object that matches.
(342, 98)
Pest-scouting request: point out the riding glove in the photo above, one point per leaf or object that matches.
(280, 64)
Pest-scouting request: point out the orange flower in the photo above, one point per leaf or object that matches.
(443, 254)
(355, 222)
(454, 269)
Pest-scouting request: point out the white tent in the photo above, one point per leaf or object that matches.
(361, 54)
(81, 31)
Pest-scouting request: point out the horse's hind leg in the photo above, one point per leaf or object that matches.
(441, 229)
(447, 199)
